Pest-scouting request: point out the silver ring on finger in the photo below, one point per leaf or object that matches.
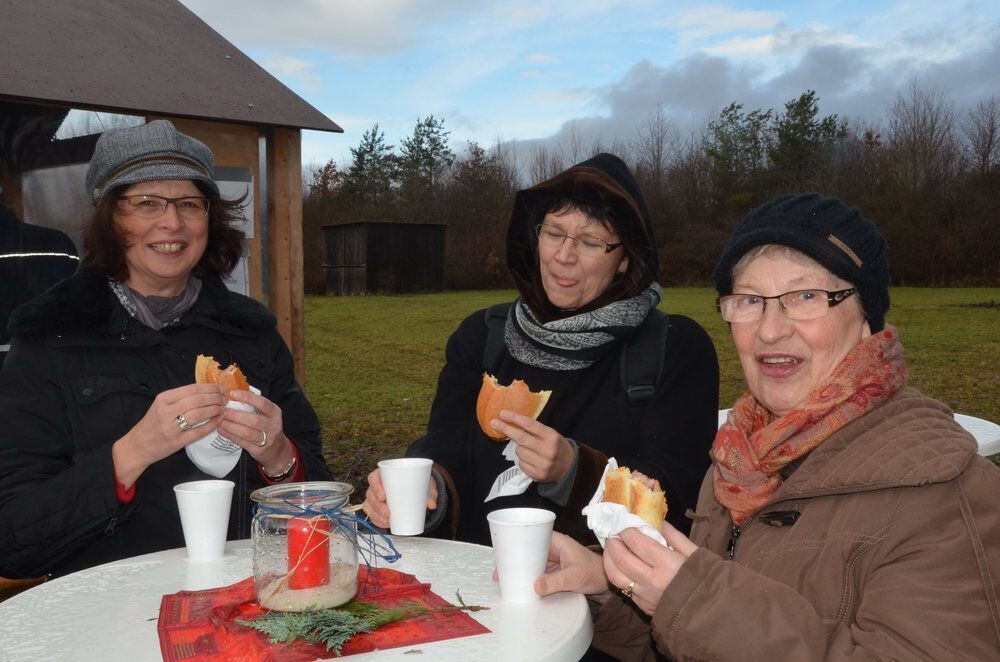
(182, 422)
(263, 439)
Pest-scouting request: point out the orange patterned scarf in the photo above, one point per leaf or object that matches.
(753, 445)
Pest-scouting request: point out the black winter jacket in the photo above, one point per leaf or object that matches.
(32, 259)
(667, 438)
(81, 372)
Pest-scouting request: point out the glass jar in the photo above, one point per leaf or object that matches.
(304, 546)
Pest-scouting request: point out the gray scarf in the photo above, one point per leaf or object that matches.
(575, 342)
(153, 311)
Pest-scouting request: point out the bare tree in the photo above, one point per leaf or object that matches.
(922, 134)
(572, 144)
(652, 145)
(544, 163)
(981, 127)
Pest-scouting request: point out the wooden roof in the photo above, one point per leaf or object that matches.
(151, 57)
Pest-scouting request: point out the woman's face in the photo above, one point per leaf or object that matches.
(162, 252)
(572, 280)
(784, 360)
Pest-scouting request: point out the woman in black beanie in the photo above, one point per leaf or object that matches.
(845, 514)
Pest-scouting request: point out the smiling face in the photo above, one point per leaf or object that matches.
(162, 252)
(784, 360)
(572, 280)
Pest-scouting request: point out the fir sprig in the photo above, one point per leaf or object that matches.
(334, 626)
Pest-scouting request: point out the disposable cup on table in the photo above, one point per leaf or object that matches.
(521, 539)
(406, 481)
(204, 508)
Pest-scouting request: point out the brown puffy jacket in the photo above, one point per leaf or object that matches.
(894, 555)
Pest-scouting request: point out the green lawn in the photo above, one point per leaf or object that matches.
(372, 362)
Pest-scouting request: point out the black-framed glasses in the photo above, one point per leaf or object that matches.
(797, 304)
(151, 207)
(552, 237)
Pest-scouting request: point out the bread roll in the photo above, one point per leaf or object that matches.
(639, 493)
(207, 371)
(517, 397)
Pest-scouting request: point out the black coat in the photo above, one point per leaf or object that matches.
(32, 259)
(667, 438)
(81, 373)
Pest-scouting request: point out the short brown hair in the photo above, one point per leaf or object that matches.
(104, 243)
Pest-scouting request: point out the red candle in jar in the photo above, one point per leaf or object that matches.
(308, 552)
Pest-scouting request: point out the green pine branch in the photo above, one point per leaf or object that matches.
(335, 626)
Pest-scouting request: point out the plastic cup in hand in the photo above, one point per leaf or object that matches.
(521, 539)
(204, 507)
(406, 481)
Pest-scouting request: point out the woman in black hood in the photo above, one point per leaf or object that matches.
(580, 247)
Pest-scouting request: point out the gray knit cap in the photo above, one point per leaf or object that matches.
(156, 150)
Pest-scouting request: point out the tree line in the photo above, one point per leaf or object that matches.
(927, 173)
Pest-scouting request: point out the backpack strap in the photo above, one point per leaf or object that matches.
(496, 319)
(642, 358)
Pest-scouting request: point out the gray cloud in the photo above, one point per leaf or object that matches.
(855, 81)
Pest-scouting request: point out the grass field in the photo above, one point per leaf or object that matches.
(372, 362)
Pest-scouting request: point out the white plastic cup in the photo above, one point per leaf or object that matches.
(204, 507)
(406, 481)
(521, 538)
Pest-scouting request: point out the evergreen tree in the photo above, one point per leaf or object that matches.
(369, 182)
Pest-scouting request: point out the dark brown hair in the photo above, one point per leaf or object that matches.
(104, 242)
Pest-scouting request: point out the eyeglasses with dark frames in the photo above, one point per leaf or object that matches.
(553, 237)
(151, 207)
(797, 304)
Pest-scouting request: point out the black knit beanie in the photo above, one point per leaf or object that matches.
(835, 235)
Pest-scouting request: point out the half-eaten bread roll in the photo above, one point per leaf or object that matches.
(517, 397)
(207, 371)
(639, 493)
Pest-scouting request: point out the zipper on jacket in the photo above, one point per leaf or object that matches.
(731, 547)
(109, 530)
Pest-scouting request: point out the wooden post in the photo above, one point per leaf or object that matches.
(286, 300)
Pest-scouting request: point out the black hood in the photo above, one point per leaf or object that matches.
(601, 180)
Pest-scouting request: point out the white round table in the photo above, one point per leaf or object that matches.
(109, 612)
(987, 433)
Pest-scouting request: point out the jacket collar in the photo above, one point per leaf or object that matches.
(84, 306)
(910, 440)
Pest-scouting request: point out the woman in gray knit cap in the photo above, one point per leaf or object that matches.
(845, 515)
(100, 415)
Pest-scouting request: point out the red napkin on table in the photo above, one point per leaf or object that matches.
(202, 624)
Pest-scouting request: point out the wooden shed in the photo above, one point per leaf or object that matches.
(155, 59)
(383, 258)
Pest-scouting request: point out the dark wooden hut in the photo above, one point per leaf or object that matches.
(383, 258)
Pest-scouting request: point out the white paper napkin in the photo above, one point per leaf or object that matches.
(512, 481)
(607, 520)
(213, 453)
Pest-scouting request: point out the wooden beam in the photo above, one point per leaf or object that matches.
(286, 300)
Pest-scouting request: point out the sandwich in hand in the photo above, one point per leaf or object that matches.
(207, 371)
(517, 397)
(640, 494)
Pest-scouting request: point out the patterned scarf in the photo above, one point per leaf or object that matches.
(753, 445)
(575, 342)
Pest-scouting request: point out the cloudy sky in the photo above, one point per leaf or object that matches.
(515, 70)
